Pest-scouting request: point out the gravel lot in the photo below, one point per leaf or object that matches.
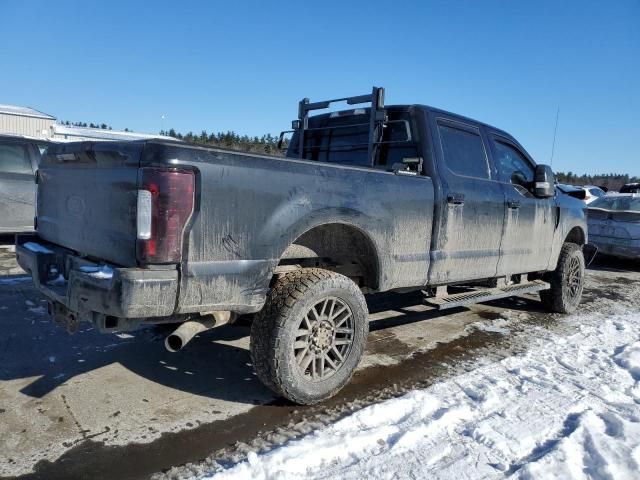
(120, 406)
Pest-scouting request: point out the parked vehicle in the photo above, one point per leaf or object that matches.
(592, 193)
(19, 157)
(614, 225)
(404, 197)
(575, 192)
(630, 188)
(589, 192)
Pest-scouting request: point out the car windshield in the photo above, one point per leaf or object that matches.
(618, 203)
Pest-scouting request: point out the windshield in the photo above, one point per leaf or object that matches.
(617, 203)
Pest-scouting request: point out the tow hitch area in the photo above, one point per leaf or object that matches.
(63, 316)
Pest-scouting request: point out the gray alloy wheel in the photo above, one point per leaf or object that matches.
(324, 338)
(574, 279)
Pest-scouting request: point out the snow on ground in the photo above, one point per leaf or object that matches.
(567, 408)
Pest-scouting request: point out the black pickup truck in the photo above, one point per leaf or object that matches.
(371, 199)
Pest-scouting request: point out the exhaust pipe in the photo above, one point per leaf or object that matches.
(189, 329)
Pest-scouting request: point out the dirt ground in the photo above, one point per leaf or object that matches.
(121, 406)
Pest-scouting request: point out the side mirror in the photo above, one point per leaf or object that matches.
(544, 185)
(518, 178)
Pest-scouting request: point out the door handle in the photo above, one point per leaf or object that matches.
(513, 204)
(455, 199)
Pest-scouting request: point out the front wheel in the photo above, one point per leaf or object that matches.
(567, 281)
(308, 339)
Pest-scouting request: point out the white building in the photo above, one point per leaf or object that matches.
(24, 121)
(66, 133)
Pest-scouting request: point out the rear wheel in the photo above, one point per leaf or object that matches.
(567, 281)
(308, 339)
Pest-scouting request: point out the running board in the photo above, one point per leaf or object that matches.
(480, 296)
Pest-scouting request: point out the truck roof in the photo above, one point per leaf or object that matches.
(419, 106)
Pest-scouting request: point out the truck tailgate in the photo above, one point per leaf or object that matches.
(87, 194)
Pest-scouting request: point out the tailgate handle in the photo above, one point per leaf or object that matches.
(455, 199)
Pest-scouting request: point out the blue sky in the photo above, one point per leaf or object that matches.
(243, 66)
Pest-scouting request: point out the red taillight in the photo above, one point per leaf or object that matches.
(165, 204)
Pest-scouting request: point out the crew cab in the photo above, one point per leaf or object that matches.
(371, 199)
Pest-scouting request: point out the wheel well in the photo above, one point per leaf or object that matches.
(337, 247)
(576, 235)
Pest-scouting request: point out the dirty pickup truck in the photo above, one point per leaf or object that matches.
(371, 199)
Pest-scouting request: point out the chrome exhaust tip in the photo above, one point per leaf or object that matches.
(182, 335)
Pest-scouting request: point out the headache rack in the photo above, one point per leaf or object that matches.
(377, 120)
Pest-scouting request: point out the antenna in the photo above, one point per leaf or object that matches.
(555, 131)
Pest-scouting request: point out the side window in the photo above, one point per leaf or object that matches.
(463, 152)
(14, 159)
(509, 160)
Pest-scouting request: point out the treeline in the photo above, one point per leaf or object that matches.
(612, 181)
(102, 126)
(264, 144)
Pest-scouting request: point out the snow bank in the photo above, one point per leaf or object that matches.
(567, 408)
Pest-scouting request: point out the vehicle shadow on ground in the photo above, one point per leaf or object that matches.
(7, 239)
(206, 368)
(614, 264)
(41, 355)
(209, 366)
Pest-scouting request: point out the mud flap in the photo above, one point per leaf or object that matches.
(589, 251)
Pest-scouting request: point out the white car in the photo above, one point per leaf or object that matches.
(592, 193)
(588, 193)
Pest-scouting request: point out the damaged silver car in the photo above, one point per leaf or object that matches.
(614, 225)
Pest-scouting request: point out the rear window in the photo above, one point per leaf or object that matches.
(463, 152)
(344, 139)
(617, 203)
(14, 159)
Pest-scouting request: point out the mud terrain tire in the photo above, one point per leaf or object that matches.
(308, 339)
(567, 281)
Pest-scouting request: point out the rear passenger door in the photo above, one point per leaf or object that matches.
(470, 211)
(530, 222)
(17, 186)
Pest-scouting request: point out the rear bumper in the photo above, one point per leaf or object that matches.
(91, 292)
(617, 247)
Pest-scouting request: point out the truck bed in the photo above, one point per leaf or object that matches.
(248, 210)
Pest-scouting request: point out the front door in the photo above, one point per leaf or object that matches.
(17, 188)
(530, 222)
(471, 210)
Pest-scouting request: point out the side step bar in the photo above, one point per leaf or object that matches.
(479, 296)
